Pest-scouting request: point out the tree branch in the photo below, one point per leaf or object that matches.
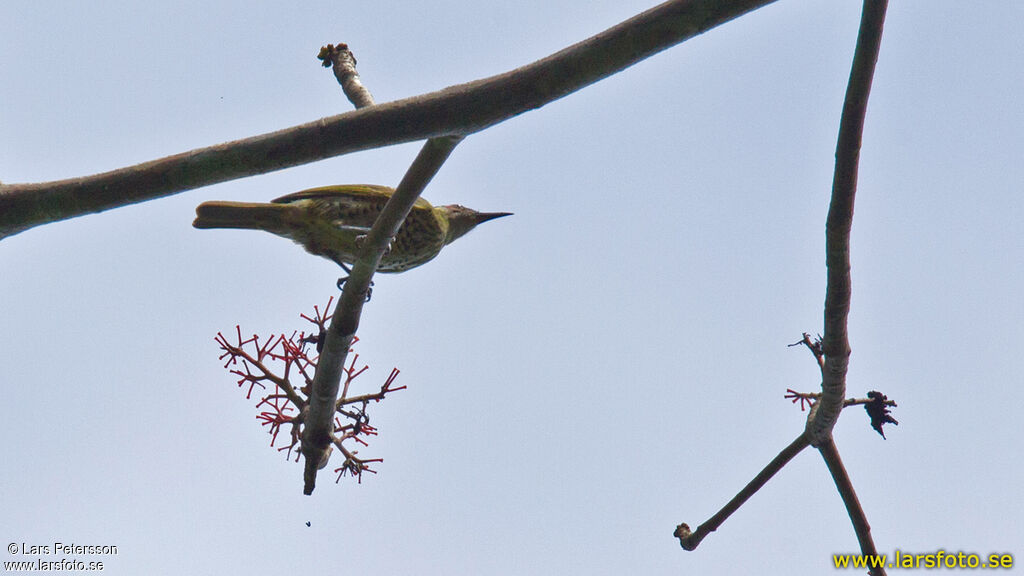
(690, 540)
(860, 521)
(835, 344)
(317, 433)
(457, 110)
(343, 63)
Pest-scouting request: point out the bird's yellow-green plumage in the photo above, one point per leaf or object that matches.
(328, 222)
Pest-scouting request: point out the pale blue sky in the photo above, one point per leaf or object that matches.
(583, 376)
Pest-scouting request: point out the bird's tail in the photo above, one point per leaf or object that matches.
(249, 215)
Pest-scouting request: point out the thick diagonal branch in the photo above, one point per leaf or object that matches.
(461, 110)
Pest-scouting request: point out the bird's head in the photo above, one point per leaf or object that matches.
(462, 219)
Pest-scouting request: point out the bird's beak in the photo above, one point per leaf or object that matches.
(485, 216)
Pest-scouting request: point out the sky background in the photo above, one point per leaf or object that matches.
(583, 376)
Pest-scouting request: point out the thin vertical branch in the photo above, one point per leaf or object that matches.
(836, 343)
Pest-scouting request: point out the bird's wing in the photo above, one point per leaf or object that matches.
(347, 191)
(350, 206)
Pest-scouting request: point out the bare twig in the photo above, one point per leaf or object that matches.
(814, 346)
(343, 62)
(460, 110)
(812, 397)
(690, 540)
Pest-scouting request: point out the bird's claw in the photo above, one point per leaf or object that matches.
(341, 286)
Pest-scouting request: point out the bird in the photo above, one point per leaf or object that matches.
(332, 222)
